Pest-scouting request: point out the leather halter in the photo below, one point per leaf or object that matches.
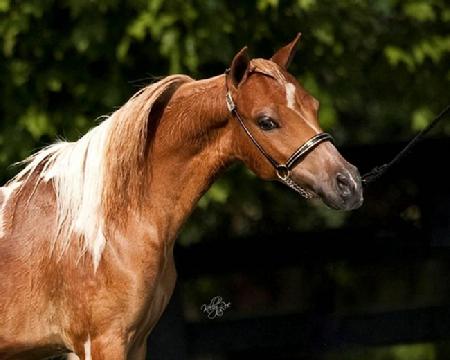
(283, 170)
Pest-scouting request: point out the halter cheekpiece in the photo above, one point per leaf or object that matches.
(283, 170)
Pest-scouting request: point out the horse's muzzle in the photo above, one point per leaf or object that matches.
(345, 190)
(349, 189)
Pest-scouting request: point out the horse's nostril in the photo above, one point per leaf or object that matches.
(344, 185)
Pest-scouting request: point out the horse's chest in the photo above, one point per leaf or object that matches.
(159, 295)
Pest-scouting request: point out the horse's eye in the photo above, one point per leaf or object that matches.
(266, 123)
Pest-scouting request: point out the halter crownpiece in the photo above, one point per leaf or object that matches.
(283, 170)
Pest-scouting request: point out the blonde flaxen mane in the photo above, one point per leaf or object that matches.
(103, 171)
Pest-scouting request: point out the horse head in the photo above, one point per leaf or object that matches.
(277, 133)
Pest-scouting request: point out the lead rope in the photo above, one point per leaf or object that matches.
(380, 170)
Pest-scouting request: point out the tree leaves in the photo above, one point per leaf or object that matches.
(379, 70)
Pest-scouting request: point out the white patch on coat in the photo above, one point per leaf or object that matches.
(76, 172)
(5, 194)
(72, 356)
(87, 349)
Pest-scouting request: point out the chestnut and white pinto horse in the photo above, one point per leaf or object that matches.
(87, 228)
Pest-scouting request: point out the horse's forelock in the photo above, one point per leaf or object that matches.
(269, 68)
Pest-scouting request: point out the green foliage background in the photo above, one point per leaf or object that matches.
(379, 68)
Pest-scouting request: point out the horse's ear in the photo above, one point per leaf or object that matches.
(239, 66)
(284, 56)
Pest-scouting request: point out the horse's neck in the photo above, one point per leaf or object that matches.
(192, 146)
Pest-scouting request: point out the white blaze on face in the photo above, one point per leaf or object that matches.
(291, 102)
(290, 95)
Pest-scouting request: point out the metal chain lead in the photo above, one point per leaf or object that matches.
(297, 188)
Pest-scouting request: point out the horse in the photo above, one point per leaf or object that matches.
(87, 228)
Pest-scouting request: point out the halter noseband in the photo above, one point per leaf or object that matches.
(283, 170)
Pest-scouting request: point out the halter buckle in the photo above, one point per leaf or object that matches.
(282, 172)
(230, 103)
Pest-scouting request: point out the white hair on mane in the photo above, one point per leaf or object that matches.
(6, 193)
(78, 170)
